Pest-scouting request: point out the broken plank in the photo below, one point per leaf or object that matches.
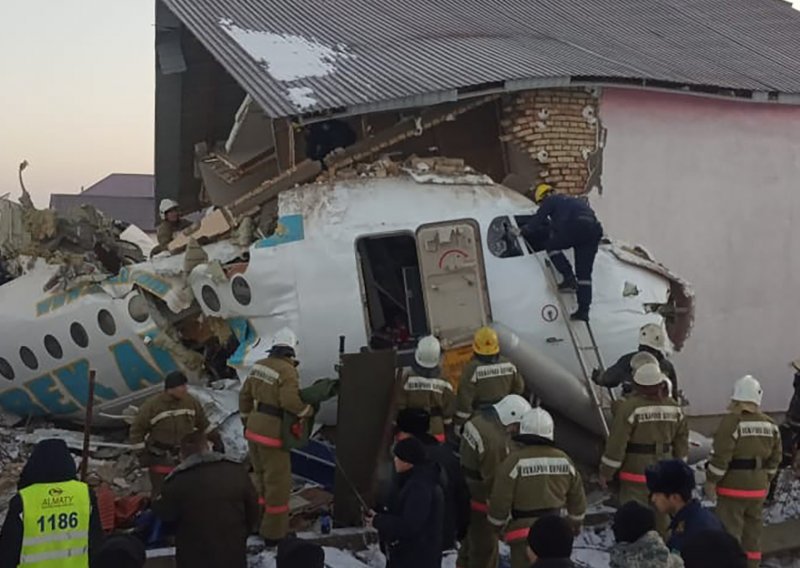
(250, 202)
(213, 225)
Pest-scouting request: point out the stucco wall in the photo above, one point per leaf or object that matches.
(712, 189)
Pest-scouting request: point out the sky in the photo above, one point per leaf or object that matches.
(77, 94)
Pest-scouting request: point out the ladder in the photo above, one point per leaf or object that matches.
(586, 349)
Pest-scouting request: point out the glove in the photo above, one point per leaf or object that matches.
(576, 526)
(297, 429)
(710, 489)
(602, 481)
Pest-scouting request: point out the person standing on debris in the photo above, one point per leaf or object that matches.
(212, 504)
(269, 396)
(638, 544)
(423, 387)
(487, 378)
(572, 224)
(647, 427)
(671, 483)
(53, 520)
(415, 422)
(484, 445)
(171, 222)
(161, 424)
(412, 526)
(535, 480)
(550, 543)
(744, 459)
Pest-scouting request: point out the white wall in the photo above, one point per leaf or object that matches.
(712, 189)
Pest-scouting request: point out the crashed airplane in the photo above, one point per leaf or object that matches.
(377, 259)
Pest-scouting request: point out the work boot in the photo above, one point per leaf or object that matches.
(580, 315)
(568, 285)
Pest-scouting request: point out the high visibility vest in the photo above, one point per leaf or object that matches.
(55, 518)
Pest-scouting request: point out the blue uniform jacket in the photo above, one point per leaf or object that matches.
(560, 210)
(690, 520)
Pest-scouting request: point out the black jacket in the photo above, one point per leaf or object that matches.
(454, 488)
(50, 462)
(620, 372)
(412, 528)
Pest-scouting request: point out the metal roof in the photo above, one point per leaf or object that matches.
(124, 185)
(300, 56)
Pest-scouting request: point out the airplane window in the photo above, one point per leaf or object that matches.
(241, 290)
(53, 347)
(106, 322)
(6, 370)
(137, 309)
(210, 298)
(79, 335)
(501, 242)
(28, 358)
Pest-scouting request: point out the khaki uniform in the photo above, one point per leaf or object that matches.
(484, 445)
(644, 430)
(434, 395)
(166, 231)
(160, 425)
(744, 459)
(533, 481)
(486, 383)
(271, 389)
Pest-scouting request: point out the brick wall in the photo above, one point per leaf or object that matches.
(559, 131)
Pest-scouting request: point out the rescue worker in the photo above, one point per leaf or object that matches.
(212, 504)
(487, 378)
(53, 520)
(744, 458)
(652, 340)
(485, 442)
(671, 483)
(572, 224)
(423, 388)
(535, 480)
(161, 424)
(171, 222)
(269, 396)
(647, 427)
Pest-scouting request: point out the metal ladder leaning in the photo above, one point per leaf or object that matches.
(602, 400)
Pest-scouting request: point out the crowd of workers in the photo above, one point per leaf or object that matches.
(506, 479)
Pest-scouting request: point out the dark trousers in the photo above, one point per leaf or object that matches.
(582, 235)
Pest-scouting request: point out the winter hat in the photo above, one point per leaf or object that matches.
(632, 521)
(175, 379)
(414, 421)
(551, 537)
(713, 549)
(410, 451)
(670, 476)
(298, 553)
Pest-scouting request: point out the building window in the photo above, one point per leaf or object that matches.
(210, 298)
(6, 369)
(106, 322)
(501, 241)
(28, 358)
(137, 309)
(53, 347)
(241, 290)
(79, 335)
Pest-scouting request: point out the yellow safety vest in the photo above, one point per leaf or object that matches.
(55, 519)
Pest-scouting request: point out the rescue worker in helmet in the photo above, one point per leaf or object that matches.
(572, 225)
(171, 223)
(485, 443)
(652, 340)
(535, 480)
(269, 396)
(744, 458)
(648, 426)
(424, 389)
(487, 378)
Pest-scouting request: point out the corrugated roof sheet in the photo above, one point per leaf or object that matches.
(124, 185)
(307, 55)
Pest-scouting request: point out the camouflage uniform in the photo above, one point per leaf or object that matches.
(744, 459)
(484, 445)
(484, 383)
(271, 390)
(644, 431)
(160, 425)
(434, 395)
(535, 480)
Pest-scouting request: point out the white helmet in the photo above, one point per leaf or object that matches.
(649, 375)
(511, 409)
(537, 421)
(642, 358)
(428, 352)
(652, 335)
(167, 205)
(747, 389)
(285, 338)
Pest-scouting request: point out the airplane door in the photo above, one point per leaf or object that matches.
(415, 304)
(453, 279)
